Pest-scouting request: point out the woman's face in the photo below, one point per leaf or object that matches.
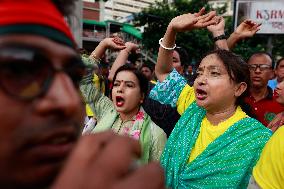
(177, 63)
(279, 92)
(126, 94)
(214, 89)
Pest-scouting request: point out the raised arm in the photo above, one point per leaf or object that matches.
(122, 58)
(92, 96)
(246, 29)
(108, 43)
(218, 33)
(182, 23)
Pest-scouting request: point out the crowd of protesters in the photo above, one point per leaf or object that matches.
(171, 124)
(197, 119)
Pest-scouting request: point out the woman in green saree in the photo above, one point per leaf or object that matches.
(123, 113)
(215, 144)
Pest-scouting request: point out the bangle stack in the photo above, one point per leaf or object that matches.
(128, 52)
(94, 57)
(166, 48)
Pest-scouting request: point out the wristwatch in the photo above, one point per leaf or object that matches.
(220, 37)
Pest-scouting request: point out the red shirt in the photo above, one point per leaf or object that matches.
(265, 109)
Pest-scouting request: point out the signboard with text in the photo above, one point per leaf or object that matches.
(268, 12)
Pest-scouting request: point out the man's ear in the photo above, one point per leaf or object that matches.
(240, 89)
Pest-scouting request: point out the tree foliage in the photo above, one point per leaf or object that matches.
(157, 17)
(257, 43)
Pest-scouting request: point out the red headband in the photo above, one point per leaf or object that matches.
(38, 12)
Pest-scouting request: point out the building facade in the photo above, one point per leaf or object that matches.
(221, 3)
(91, 10)
(122, 10)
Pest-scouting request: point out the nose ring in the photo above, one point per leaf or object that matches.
(203, 81)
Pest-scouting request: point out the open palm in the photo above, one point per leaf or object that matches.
(187, 22)
(218, 27)
(247, 28)
(115, 43)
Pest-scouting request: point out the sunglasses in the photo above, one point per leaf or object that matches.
(262, 67)
(27, 73)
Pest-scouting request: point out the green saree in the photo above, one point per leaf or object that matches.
(226, 163)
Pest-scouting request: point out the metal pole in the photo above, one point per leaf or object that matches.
(76, 23)
(234, 14)
(269, 45)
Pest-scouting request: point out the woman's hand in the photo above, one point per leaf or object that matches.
(218, 28)
(114, 43)
(122, 57)
(185, 22)
(188, 22)
(247, 28)
(131, 47)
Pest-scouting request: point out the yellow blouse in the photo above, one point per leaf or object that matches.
(269, 170)
(101, 86)
(208, 132)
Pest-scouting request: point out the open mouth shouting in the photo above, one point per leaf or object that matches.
(119, 101)
(201, 94)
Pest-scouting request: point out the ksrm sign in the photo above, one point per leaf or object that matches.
(269, 13)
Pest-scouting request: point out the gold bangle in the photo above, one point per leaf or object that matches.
(128, 52)
(94, 56)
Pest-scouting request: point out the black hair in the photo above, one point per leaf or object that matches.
(183, 55)
(66, 7)
(133, 57)
(143, 81)
(264, 53)
(148, 65)
(238, 71)
(278, 62)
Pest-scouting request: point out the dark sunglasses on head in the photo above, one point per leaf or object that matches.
(27, 73)
(262, 67)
